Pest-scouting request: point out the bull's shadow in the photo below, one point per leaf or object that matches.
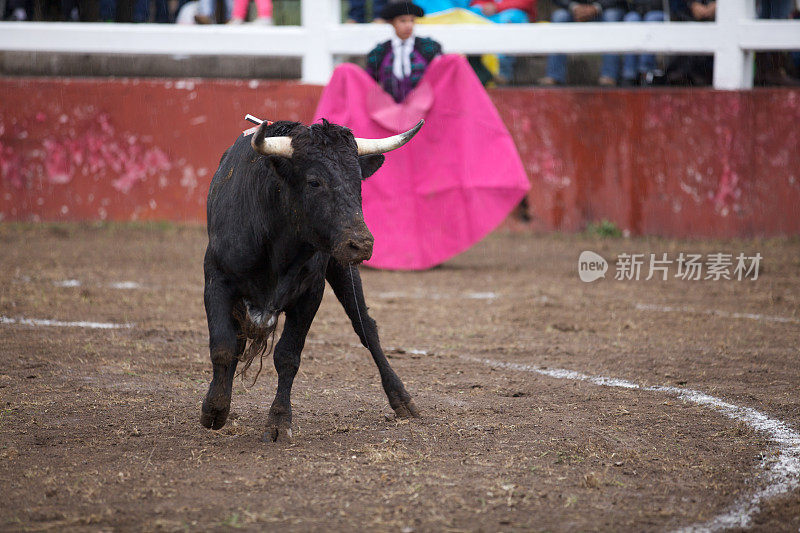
(284, 215)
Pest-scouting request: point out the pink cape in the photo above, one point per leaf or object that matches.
(450, 185)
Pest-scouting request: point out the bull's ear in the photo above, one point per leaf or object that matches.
(370, 164)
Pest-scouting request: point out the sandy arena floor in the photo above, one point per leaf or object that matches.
(99, 427)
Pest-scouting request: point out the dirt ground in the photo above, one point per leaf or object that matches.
(99, 427)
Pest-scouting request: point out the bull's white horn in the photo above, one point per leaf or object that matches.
(387, 144)
(271, 145)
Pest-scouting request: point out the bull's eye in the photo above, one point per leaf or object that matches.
(314, 183)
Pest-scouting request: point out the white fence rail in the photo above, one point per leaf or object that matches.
(732, 39)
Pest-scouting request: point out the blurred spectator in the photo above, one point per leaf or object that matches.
(691, 70)
(206, 11)
(70, 11)
(775, 9)
(435, 6)
(18, 10)
(187, 12)
(357, 11)
(505, 12)
(108, 10)
(263, 8)
(795, 55)
(141, 11)
(640, 69)
(585, 11)
(692, 10)
(771, 66)
(399, 63)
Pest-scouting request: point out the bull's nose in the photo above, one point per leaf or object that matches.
(360, 249)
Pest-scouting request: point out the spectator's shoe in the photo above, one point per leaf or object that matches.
(203, 19)
(652, 78)
(547, 81)
(628, 82)
(235, 22)
(263, 21)
(605, 81)
(500, 80)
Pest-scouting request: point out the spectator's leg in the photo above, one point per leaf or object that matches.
(205, 11)
(701, 70)
(609, 67)
(771, 66)
(162, 12)
(239, 10)
(141, 11)
(206, 7)
(108, 10)
(68, 8)
(557, 63)
(356, 11)
(776, 9)
(264, 9)
(507, 63)
(630, 62)
(228, 9)
(647, 62)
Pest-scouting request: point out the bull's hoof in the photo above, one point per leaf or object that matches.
(406, 409)
(277, 434)
(214, 420)
(214, 416)
(279, 424)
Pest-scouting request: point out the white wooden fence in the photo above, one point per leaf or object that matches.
(732, 39)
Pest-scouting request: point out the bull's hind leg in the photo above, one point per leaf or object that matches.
(287, 361)
(346, 284)
(225, 344)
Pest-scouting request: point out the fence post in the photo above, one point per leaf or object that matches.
(733, 66)
(317, 16)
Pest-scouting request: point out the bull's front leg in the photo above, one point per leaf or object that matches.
(225, 345)
(346, 284)
(287, 361)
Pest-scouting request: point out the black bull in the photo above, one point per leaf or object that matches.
(284, 214)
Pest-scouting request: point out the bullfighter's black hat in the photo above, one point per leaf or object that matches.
(396, 9)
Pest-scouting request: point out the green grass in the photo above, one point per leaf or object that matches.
(604, 228)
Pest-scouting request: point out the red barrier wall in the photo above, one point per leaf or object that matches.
(666, 162)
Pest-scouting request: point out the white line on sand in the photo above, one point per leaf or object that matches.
(67, 283)
(57, 323)
(724, 314)
(123, 285)
(780, 474)
(437, 295)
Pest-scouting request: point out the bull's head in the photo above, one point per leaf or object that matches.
(323, 166)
